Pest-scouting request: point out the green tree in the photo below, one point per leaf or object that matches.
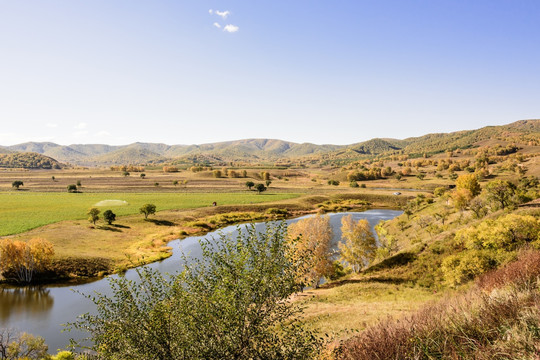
(175, 182)
(16, 184)
(268, 182)
(125, 173)
(79, 183)
(72, 188)
(260, 188)
(217, 173)
(143, 175)
(250, 184)
(501, 193)
(21, 346)
(360, 247)
(147, 209)
(93, 215)
(109, 216)
(230, 304)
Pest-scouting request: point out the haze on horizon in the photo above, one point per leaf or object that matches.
(195, 72)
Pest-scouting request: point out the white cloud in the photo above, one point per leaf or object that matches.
(81, 126)
(210, 11)
(231, 28)
(217, 25)
(223, 14)
(51, 125)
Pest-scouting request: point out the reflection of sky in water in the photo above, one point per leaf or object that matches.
(42, 311)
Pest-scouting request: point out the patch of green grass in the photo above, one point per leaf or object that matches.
(23, 211)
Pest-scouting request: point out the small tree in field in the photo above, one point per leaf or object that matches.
(93, 215)
(250, 184)
(147, 209)
(16, 184)
(260, 188)
(109, 216)
(72, 188)
(143, 175)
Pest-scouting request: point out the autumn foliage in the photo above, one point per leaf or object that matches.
(20, 260)
(314, 236)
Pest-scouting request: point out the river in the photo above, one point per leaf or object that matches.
(42, 311)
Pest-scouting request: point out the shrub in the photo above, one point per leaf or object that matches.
(230, 304)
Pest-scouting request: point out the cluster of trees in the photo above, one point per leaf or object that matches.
(313, 241)
(259, 187)
(499, 194)
(20, 261)
(171, 169)
(127, 168)
(28, 160)
(488, 245)
(109, 216)
(369, 174)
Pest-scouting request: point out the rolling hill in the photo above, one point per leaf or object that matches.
(257, 150)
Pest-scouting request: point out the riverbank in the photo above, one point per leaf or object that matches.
(84, 251)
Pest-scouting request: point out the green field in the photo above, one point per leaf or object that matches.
(23, 211)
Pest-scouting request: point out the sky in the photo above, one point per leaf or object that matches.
(319, 71)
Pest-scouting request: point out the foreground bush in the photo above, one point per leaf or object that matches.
(229, 305)
(498, 319)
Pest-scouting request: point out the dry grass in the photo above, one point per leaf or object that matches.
(352, 305)
(498, 318)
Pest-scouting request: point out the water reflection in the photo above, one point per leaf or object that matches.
(32, 301)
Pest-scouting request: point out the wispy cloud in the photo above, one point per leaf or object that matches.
(51, 125)
(223, 14)
(81, 126)
(231, 28)
(217, 25)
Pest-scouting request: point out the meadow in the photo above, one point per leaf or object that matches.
(21, 211)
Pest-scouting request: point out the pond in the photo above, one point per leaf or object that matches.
(42, 311)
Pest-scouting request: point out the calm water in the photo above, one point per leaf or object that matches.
(42, 311)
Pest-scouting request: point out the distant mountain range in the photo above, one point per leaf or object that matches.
(260, 150)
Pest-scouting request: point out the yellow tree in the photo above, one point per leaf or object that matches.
(468, 182)
(360, 246)
(24, 259)
(313, 239)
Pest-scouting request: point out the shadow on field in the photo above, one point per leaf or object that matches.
(121, 226)
(378, 279)
(109, 228)
(161, 222)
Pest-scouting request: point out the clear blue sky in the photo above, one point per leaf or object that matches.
(339, 72)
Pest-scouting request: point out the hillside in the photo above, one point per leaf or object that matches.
(29, 160)
(523, 132)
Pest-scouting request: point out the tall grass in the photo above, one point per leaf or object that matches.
(498, 318)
